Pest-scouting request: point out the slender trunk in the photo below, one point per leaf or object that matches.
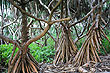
(24, 30)
(2, 11)
(65, 47)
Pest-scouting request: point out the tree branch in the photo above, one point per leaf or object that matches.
(30, 23)
(38, 37)
(45, 6)
(104, 22)
(46, 28)
(22, 11)
(9, 23)
(50, 3)
(63, 19)
(10, 41)
(7, 39)
(47, 32)
(88, 14)
(51, 14)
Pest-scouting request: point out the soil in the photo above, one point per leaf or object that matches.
(92, 67)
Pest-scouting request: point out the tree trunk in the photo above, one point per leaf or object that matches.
(25, 29)
(23, 61)
(66, 49)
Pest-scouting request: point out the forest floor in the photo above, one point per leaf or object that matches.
(92, 67)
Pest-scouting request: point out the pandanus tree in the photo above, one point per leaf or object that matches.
(93, 42)
(65, 45)
(66, 48)
(23, 61)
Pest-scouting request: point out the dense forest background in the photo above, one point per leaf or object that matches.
(35, 32)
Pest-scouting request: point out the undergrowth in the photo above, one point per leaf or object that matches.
(45, 53)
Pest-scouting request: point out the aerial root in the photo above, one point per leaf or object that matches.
(23, 63)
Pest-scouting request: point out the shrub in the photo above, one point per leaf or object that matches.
(39, 53)
(6, 51)
(80, 42)
(45, 53)
(106, 44)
